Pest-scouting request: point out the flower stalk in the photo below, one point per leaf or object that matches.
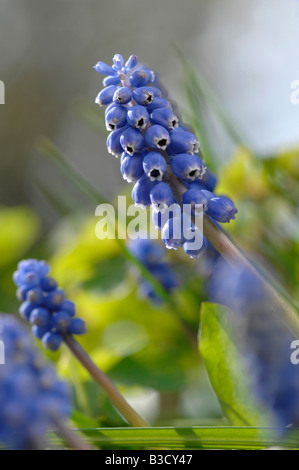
(105, 383)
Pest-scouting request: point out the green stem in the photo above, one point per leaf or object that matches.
(105, 383)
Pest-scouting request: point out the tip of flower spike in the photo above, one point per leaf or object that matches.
(118, 61)
(104, 69)
(131, 63)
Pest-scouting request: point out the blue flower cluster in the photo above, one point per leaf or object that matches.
(151, 255)
(265, 341)
(154, 146)
(44, 304)
(31, 396)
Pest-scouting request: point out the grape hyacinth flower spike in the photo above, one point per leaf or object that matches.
(44, 304)
(53, 321)
(158, 153)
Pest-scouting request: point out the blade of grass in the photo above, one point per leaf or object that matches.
(200, 85)
(91, 114)
(191, 438)
(56, 202)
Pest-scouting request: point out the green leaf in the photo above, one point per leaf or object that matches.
(225, 367)
(190, 438)
(161, 373)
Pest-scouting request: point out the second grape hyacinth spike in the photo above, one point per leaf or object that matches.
(145, 126)
(44, 304)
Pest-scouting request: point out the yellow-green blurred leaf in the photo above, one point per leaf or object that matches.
(19, 229)
(225, 367)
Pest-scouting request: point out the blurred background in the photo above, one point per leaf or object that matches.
(246, 55)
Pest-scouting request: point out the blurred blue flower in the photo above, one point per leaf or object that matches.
(32, 399)
(151, 255)
(264, 339)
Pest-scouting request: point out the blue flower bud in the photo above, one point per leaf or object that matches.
(161, 197)
(193, 249)
(165, 117)
(77, 326)
(158, 102)
(116, 118)
(183, 142)
(104, 69)
(143, 95)
(209, 180)
(60, 321)
(221, 209)
(132, 141)
(111, 80)
(39, 331)
(26, 279)
(122, 95)
(137, 116)
(132, 167)
(141, 192)
(141, 78)
(21, 293)
(113, 141)
(106, 95)
(157, 137)
(118, 61)
(207, 195)
(131, 63)
(48, 284)
(172, 233)
(40, 317)
(52, 341)
(187, 167)
(35, 297)
(155, 90)
(196, 197)
(25, 310)
(54, 299)
(154, 166)
(69, 307)
(109, 107)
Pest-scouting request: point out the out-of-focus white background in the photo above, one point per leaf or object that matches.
(247, 49)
